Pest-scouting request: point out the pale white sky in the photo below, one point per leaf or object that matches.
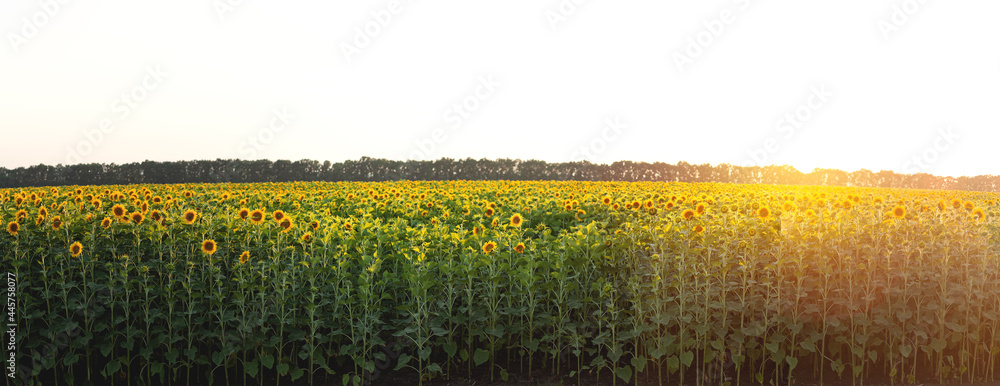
(866, 84)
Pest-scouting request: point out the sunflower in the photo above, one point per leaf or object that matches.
(190, 216)
(579, 213)
(348, 226)
(106, 222)
(763, 213)
(956, 203)
(56, 223)
(606, 200)
(701, 208)
(257, 216)
(244, 257)
(307, 237)
(314, 225)
(42, 212)
(137, 218)
(969, 206)
(516, 220)
(278, 215)
(209, 247)
(978, 214)
(157, 216)
(519, 248)
(489, 247)
(688, 214)
(244, 213)
(698, 229)
(489, 212)
(118, 210)
(76, 249)
(286, 224)
(898, 212)
(13, 227)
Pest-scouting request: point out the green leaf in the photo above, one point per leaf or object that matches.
(481, 356)
(267, 361)
(450, 348)
(792, 362)
(938, 344)
(686, 358)
(111, 368)
(252, 368)
(283, 369)
(624, 372)
(172, 356)
(297, 373)
(905, 350)
(639, 362)
(403, 359)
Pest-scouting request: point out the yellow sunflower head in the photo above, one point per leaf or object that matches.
(489, 247)
(516, 220)
(244, 257)
(286, 224)
(898, 212)
(257, 216)
(688, 214)
(76, 249)
(118, 210)
(519, 248)
(209, 247)
(190, 216)
(13, 227)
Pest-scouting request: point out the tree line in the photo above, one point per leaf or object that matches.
(373, 169)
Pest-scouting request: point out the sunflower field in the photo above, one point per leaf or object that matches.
(618, 283)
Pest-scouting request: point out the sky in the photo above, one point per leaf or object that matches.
(903, 85)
